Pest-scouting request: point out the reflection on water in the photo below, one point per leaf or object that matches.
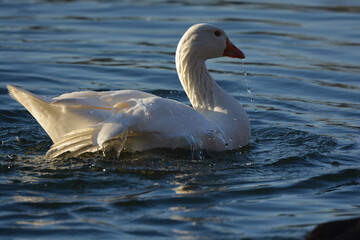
(185, 186)
(32, 199)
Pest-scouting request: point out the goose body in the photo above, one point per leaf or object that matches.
(130, 120)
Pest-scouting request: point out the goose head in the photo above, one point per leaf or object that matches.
(205, 41)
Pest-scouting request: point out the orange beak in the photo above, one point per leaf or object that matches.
(232, 51)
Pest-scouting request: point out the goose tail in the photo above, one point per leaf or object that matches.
(41, 109)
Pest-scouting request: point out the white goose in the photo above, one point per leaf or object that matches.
(130, 120)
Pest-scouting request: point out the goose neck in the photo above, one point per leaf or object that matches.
(197, 82)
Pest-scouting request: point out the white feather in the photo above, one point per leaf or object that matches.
(131, 120)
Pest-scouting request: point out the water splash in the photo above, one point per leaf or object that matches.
(114, 147)
(196, 147)
(248, 88)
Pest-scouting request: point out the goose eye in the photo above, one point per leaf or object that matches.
(217, 33)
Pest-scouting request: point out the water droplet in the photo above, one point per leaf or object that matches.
(248, 87)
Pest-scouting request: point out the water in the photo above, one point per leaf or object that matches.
(300, 169)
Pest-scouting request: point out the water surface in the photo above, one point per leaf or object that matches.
(301, 167)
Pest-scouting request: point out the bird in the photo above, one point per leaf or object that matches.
(131, 120)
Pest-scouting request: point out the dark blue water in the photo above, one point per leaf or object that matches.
(300, 169)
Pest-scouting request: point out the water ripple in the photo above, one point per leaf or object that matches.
(299, 169)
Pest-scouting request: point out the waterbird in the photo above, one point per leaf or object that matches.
(131, 120)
